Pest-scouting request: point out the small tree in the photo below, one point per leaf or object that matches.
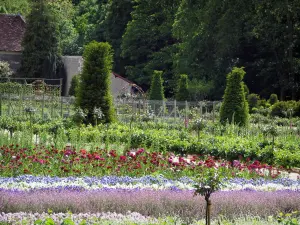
(183, 93)
(5, 70)
(235, 107)
(74, 85)
(41, 53)
(273, 99)
(209, 182)
(94, 91)
(157, 89)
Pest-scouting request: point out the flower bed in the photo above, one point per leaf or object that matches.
(98, 162)
(151, 202)
(29, 183)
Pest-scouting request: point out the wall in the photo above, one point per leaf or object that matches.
(73, 66)
(13, 58)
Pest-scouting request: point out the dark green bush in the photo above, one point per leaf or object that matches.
(273, 99)
(94, 91)
(284, 108)
(157, 89)
(182, 93)
(235, 107)
(253, 101)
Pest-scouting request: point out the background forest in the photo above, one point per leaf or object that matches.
(202, 39)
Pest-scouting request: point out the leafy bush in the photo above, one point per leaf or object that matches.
(74, 85)
(284, 108)
(157, 89)
(253, 101)
(273, 99)
(94, 91)
(5, 70)
(183, 93)
(235, 107)
(263, 103)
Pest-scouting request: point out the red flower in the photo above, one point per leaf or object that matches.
(83, 151)
(123, 158)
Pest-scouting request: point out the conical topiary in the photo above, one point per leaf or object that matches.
(157, 89)
(183, 92)
(94, 91)
(234, 107)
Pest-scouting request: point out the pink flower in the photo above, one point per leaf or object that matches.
(41, 161)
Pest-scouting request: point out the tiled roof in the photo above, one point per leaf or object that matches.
(12, 28)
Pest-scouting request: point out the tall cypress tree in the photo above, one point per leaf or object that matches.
(41, 53)
(157, 89)
(234, 106)
(94, 88)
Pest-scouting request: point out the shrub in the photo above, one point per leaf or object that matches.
(284, 108)
(74, 85)
(183, 93)
(157, 89)
(234, 104)
(94, 91)
(273, 99)
(5, 70)
(264, 103)
(253, 101)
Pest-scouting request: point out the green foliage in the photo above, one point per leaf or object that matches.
(117, 15)
(5, 70)
(183, 92)
(234, 106)
(246, 89)
(15, 6)
(88, 15)
(41, 52)
(200, 89)
(253, 100)
(64, 12)
(11, 88)
(147, 43)
(156, 89)
(75, 82)
(273, 99)
(284, 108)
(94, 88)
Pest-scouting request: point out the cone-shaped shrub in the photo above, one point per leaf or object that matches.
(183, 93)
(74, 85)
(235, 107)
(157, 89)
(94, 90)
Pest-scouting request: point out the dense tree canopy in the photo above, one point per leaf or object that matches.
(203, 39)
(41, 50)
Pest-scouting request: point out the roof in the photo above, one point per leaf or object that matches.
(123, 78)
(128, 81)
(12, 28)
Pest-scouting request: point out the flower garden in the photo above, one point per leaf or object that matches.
(147, 172)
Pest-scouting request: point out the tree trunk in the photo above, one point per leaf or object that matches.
(208, 208)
